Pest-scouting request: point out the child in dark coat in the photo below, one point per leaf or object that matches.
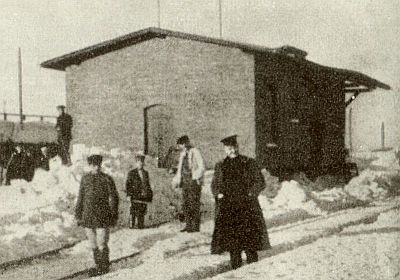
(139, 191)
(97, 211)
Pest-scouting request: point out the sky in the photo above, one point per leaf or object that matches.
(356, 34)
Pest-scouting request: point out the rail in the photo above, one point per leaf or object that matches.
(24, 116)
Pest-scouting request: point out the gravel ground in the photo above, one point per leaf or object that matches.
(367, 252)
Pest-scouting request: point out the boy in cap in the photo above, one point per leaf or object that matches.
(97, 211)
(189, 177)
(239, 221)
(64, 135)
(139, 191)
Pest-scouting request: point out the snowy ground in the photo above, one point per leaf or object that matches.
(165, 253)
(361, 252)
(37, 217)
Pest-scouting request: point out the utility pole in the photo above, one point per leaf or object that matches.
(158, 13)
(220, 17)
(383, 135)
(21, 116)
(350, 130)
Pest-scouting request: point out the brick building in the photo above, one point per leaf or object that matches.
(144, 89)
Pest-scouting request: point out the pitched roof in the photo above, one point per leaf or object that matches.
(77, 57)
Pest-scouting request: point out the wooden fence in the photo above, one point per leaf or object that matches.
(25, 116)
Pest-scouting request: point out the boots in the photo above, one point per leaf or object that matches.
(95, 270)
(104, 266)
(102, 261)
(236, 259)
(252, 256)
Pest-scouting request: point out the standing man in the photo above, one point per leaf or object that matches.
(189, 177)
(97, 211)
(64, 135)
(139, 191)
(239, 221)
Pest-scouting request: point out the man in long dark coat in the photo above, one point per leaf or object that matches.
(97, 211)
(239, 222)
(64, 135)
(139, 191)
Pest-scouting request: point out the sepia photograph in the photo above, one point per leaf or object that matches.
(213, 139)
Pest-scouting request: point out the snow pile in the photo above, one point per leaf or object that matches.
(45, 189)
(365, 187)
(334, 194)
(37, 215)
(292, 196)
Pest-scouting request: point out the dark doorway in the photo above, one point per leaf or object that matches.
(159, 133)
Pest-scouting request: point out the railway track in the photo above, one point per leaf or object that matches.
(58, 265)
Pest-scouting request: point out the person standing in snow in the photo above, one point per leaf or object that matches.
(239, 221)
(189, 177)
(64, 135)
(97, 210)
(139, 191)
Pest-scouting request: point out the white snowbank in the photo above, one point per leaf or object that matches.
(365, 187)
(291, 196)
(45, 189)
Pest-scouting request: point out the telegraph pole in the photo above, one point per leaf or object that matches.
(158, 13)
(220, 17)
(351, 130)
(21, 116)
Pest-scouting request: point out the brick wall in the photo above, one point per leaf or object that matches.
(209, 88)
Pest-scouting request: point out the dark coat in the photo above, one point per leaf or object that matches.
(64, 127)
(43, 162)
(138, 189)
(97, 205)
(239, 221)
(20, 166)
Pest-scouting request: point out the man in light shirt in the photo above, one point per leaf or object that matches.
(189, 177)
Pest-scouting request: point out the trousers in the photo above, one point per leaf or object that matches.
(98, 237)
(236, 257)
(138, 211)
(64, 150)
(191, 194)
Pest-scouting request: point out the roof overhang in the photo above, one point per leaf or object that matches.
(351, 81)
(77, 57)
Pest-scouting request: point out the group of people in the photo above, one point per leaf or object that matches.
(237, 182)
(23, 161)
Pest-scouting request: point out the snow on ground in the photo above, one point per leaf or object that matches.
(45, 189)
(40, 213)
(185, 255)
(388, 159)
(42, 209)
(360, 252)
(124, 242)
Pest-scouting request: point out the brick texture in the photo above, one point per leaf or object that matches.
(208, 88)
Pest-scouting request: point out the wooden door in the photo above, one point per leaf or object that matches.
(159, 132)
